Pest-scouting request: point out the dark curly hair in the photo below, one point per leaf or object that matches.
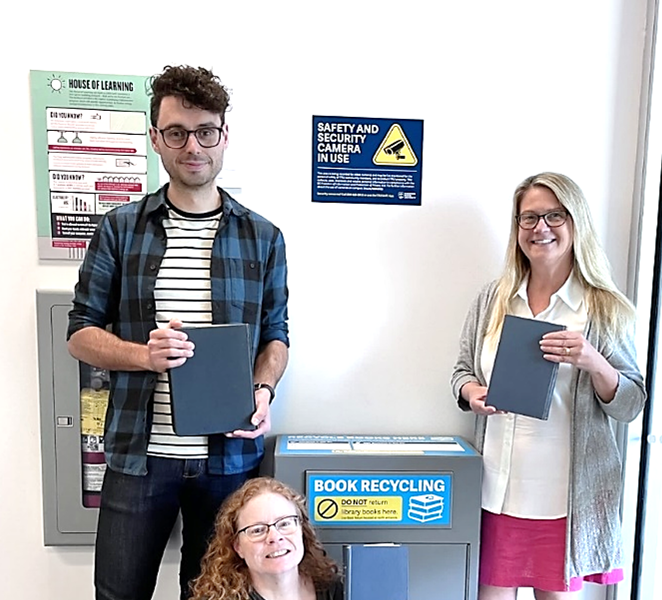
(224, 574)
(198, 87)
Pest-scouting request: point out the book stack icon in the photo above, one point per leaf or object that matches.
(426, 507)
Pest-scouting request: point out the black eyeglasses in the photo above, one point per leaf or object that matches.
(259, 531)
(177, 137)
(554, 218)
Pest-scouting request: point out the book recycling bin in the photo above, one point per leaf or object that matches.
(421, 491)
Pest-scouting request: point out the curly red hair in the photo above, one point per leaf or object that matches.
(224, 574)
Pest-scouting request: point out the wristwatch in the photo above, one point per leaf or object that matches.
(266, 386)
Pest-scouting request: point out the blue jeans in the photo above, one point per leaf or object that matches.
(136, 518)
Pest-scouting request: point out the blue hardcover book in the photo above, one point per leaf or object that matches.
(212, 392)
(376, 572)
(522, 380)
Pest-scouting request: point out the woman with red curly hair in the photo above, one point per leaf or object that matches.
(265, 548)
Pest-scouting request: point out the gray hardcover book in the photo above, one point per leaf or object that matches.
(212, 392)
(522, 380)
(376, 571)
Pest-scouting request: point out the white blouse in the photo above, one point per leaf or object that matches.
(526, 460)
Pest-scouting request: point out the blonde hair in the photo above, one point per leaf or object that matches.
(224, 574)
(607, 307)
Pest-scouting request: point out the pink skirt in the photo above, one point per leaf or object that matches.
(529, 553)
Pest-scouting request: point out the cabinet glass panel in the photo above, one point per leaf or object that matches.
(94, 390)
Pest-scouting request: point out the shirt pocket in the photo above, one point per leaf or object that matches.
(246, 289)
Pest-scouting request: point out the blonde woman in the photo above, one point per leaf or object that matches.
(265, 548)
(551, 488)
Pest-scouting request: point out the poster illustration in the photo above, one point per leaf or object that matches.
(91, 153)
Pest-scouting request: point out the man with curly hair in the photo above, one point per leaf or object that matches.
(188, 254)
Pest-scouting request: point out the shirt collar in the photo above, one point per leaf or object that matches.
(571, 292)
(157, 202)
(231, 206)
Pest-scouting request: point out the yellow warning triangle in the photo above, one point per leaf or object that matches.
(395, 149)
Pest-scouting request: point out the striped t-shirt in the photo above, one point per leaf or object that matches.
(182, 291)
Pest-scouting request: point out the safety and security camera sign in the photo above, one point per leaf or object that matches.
(379, 499)
(367, 161)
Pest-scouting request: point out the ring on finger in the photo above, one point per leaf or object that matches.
(566, 351)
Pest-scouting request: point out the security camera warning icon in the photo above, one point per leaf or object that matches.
(394, 149)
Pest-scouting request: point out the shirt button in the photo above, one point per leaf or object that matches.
(149, 305)
(152, 267)
(252, 265)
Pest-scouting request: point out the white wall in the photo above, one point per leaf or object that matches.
(378, 293)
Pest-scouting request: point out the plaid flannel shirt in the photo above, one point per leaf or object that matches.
(116, 288)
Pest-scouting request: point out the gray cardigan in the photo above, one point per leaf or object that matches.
(593, 537)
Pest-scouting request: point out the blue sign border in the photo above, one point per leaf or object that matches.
(344, 170)
(284, 446)
(426, 498)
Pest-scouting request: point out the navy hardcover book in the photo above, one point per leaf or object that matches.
(376, 572)
(522, 380)
(212, 392)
